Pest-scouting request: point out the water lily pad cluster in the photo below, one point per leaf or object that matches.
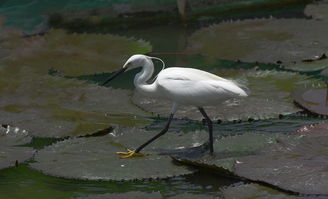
(295, 163)
(72, 54)
(295, 166)
(94, 158)
(57, 107)
(269, 97)
(53, 106)
(12, 153)
(283, 41)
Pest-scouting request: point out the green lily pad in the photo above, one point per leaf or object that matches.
(143, 195)
(128, 195)
(171, 141)
(252, 190)
(317, 10)
(308, 65)
(324, 72)
(319, 129)
(269, 97)
(72, 54)
(57, 107)
(299, 166)
(94, 158)
(262, 40)
(228, 150)
(313, 100)
(11, 153)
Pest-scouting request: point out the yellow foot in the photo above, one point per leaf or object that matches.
(129, 154)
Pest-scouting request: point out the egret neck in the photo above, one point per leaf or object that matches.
(140, 80)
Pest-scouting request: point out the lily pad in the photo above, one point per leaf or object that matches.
(324, 73)
(299, 166)
(94, 158)
(313, 100)
(262, 40)
(252, 190)
(310, 65)
(269, 97)
(71, 54)
(11, 153)
(128, 195)
(228, 150)
(317, 10)
(143, 195)
(319, 129)
(57, 107)
(171, 141)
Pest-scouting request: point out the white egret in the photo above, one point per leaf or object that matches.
(182, 86)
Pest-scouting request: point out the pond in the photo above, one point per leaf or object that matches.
(50, 87)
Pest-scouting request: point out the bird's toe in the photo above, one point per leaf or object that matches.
(129, 154)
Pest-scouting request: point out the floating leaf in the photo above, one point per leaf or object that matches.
(228, 150)
(57, 107)
(319, 129)
(317, 10)
(72, 54)
(13, 136)
(262, 40)
(283, 125)
(313, 100)
(308, 65)
(171, 141)
(94, 158)
(246, 191)
(324, 72)
(299, 166)
(269, 97)
(128, 195)
(143, 195)
(11, 153)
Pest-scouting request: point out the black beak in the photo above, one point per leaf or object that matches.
(117, 73)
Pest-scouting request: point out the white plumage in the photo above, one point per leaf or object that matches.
(195, 87)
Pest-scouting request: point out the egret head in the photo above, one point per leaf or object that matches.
(133, 62)
(136, 61)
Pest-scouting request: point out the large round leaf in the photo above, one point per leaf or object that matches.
(57, 107)
(282, 125)
(299, 166)
(268, 98)
(246, 191)
(319, 129)
(72, 54)
(313, 100)
(94, 158)
(227, 150)
(262, 40)
(128, 195)
(317, 10)
(11, 153)
(171, 141)
(143, 195)
(316, 64)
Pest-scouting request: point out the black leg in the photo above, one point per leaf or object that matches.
(166, 128)
(210, 128)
